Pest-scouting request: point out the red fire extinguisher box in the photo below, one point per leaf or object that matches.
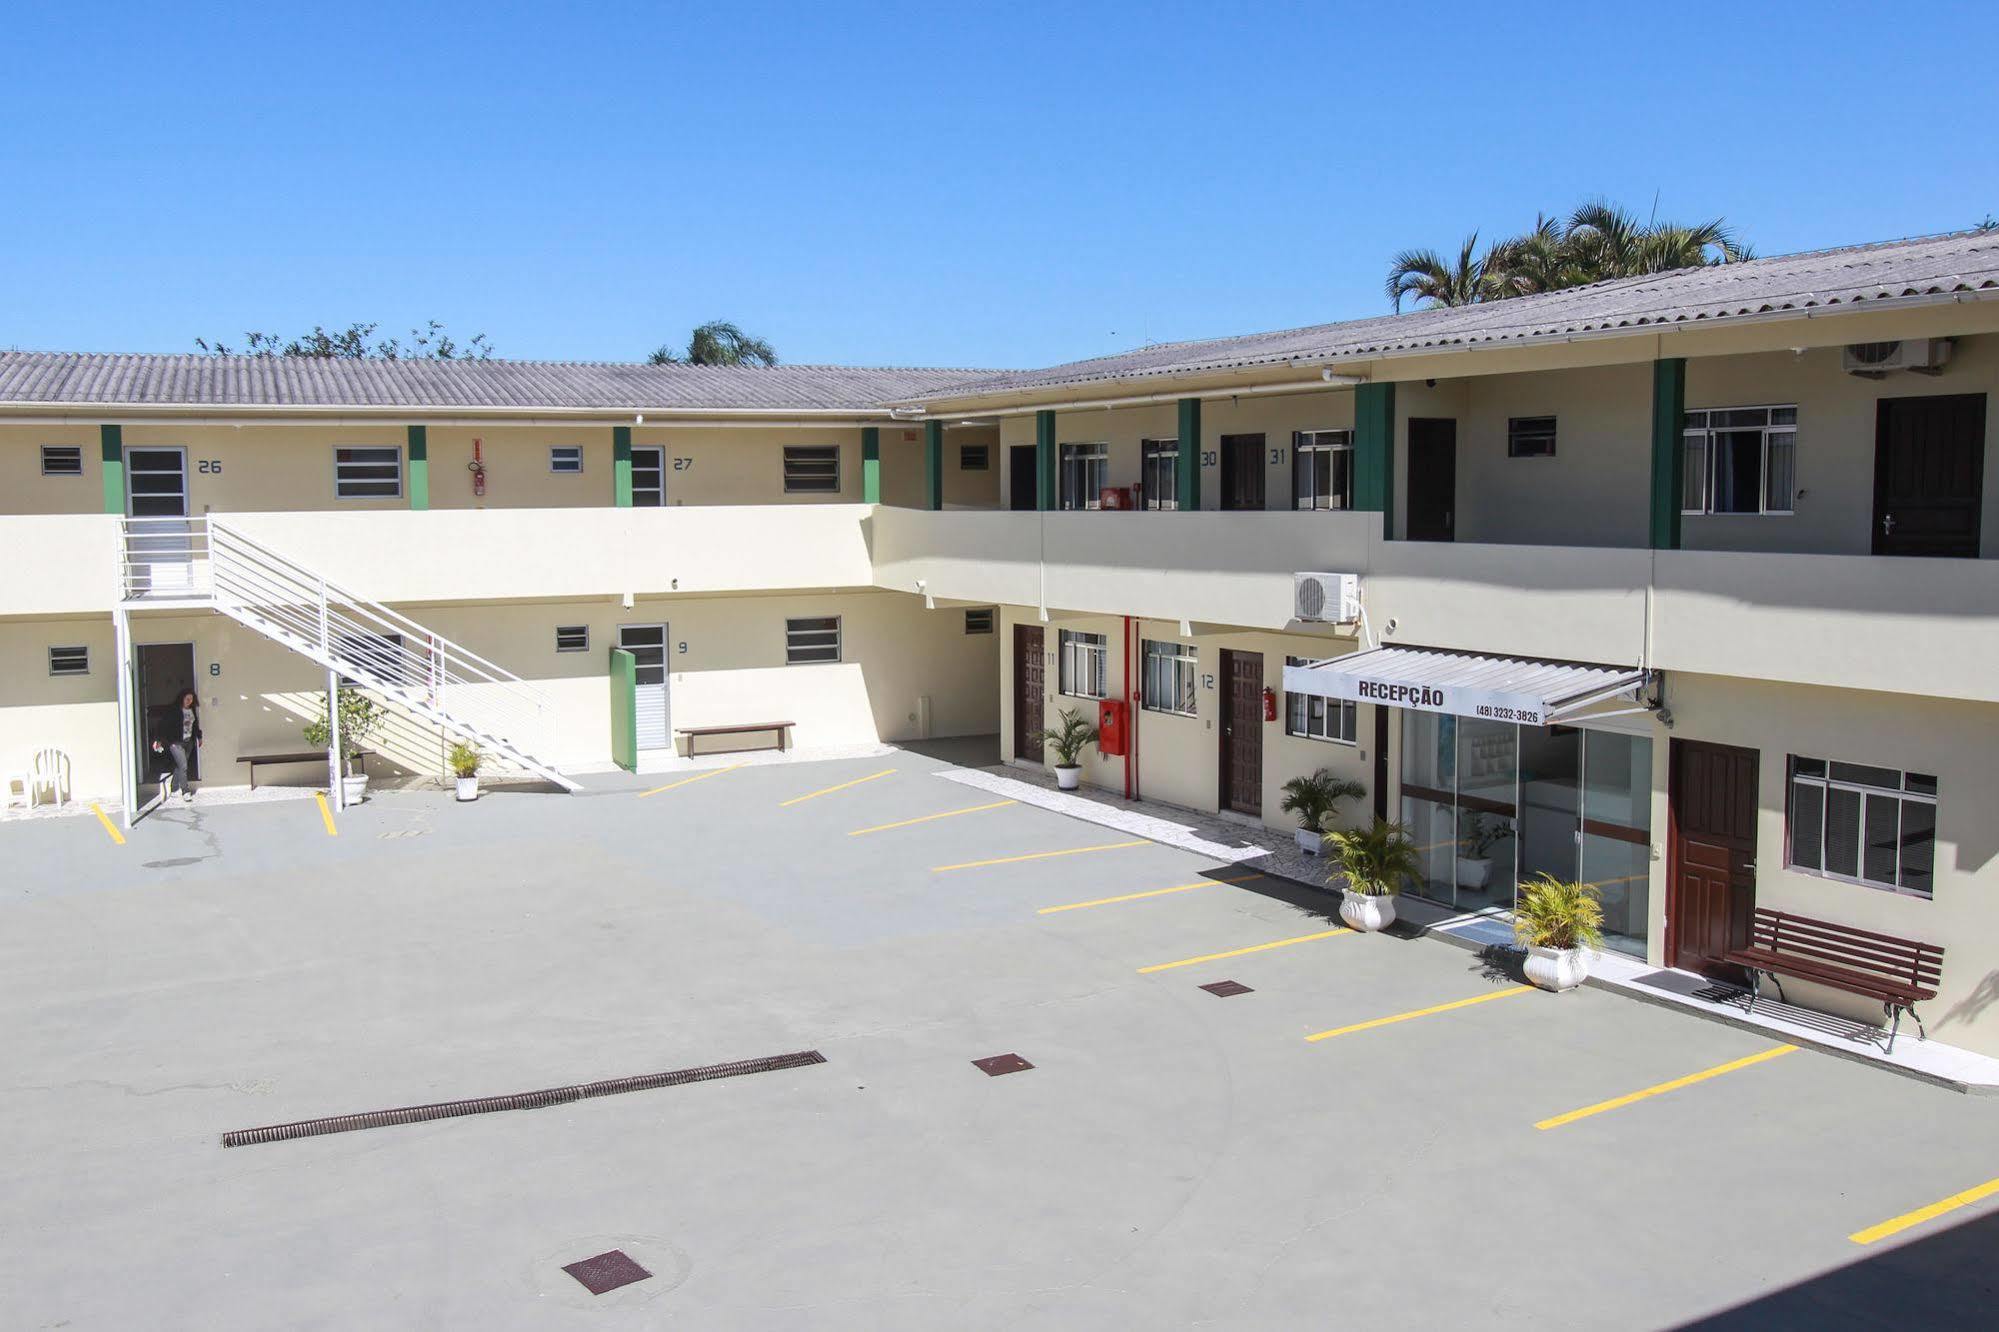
(1110, 727)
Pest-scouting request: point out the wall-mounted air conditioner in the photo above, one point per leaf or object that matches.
(1874, 359)
(1330, 598)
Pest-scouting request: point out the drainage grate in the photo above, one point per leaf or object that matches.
(534, 1100)
(1227, 989)
(607, 1271)
(995, 1065)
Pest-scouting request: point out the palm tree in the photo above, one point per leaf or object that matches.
(1425, 276)
(719, 342)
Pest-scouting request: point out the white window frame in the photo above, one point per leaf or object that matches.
(1159, 458)
(807, 634)
(65, 670)
(1700, 439)
(808, 479)
(981, 620)
(1171, 672)
(1825, 782)
(1309, 444)
(652, 451)
(1091, 461)
(66, 450)
(1311, 717)
(563, 453)
(339, 481)
(1082, 664)
(1517, 434)
(572, 630)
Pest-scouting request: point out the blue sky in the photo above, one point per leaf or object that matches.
(1006, 185)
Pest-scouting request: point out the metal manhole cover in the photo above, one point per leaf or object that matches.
(995, 1065)
(1227, 989)
(607, 1271)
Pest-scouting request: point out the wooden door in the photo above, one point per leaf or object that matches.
(1030, 678)
(1433, 479)
(1711, 873)
(1242, 732)
(1242, 471)
(1022, 488)
(1929, 473)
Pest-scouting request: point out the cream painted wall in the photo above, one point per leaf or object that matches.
(1957, 743)
(902, 467)
(517, 475)
(73, 713)
(258, 467)
(23, 488)
(1595, 491)
(1178, 757)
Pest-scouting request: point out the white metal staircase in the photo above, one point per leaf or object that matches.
(206, 562)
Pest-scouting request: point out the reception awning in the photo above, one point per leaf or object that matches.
(1466, 684)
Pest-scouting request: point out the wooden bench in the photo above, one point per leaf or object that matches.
(782, 728)
(302, 756)
(1900, 973)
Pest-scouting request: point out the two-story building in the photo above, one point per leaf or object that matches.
(1681, 585)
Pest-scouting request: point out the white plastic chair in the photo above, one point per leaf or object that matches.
(20, 790)
(51, 774)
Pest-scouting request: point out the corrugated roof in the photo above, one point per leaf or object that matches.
(1861, 274)
(1440, 680)
(63, 378)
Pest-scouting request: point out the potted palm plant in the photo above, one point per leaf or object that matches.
(1561, 923)
(1312, 799)
(360, 718)
(1374, 861)
(465, 760)
(1475, 845)
(1067, 740)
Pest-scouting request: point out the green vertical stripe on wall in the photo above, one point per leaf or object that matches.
(933, 465)
(1374, 453)
(871, 465)
(1187, 466)
(621, 466)
(419, 467)
(624, 709)
(111, 440)
(1669, 448)
(1045, 473)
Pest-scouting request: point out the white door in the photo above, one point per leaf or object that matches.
(647, 644)
(648, 478)
(161, 547)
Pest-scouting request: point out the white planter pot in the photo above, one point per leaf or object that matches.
(1557, 969)
(353, 788)
(1311, 843)
(468, 787)
(1367, 912)
(1474, 873)
(1068, 778)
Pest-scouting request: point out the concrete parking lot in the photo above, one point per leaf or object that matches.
(1172, 1158)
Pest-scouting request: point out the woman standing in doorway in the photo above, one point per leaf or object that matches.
(177, 739)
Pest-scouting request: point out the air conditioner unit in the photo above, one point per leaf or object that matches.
(1331, 598)
(1875, 359)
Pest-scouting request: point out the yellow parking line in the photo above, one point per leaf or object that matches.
(1619, 1102)
(1420, 1012)
(1896, 1225)
(829, 790)
(928, 818)
(110, 828)
(326, 814)
(1238, 952)
(1150, 892)
(697, 777)
(1037, 855)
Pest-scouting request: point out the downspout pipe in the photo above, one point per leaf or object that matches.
(1130, 712)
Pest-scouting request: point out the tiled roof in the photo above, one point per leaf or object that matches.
(1857, 275)
(59, 378)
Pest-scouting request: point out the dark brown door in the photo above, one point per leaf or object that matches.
(1242, 732)
(1433, 479)
(1022, 492)
(1242, 471)
(1929, 475)
(1030, 677)
(1711, 888)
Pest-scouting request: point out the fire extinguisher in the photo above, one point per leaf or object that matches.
(478, 469)
(1269, 704)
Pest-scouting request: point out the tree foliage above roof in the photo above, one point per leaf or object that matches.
(718, 342)
(358, 342)
(1597, 242)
